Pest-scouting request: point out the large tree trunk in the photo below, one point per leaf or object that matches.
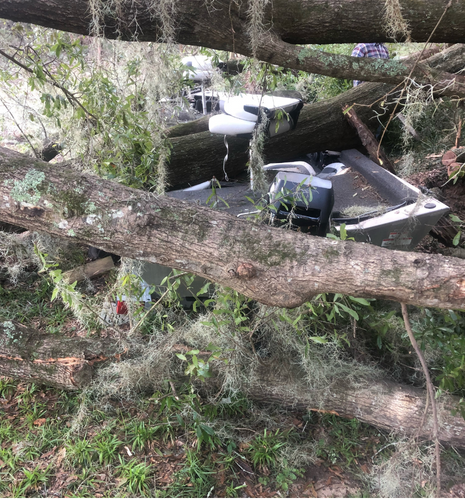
(63, 362)
(286, 23)
(271, 265)
(321, 126)
(296, 21)
(70, 363)
(382, 403)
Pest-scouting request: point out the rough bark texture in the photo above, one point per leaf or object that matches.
(375, 151)
(89, 270)
(384, 404)
(67, 363)
(273, 266)
(225, 26)
(321, 126)
(296, 21)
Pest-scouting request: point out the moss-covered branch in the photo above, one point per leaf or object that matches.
(290, 22)
(271, 265)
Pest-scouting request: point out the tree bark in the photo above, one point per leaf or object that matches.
(63, 362)
(286, 23)
(89, 270)
(321, 126)
(383, 404)
(70, 364)
(271, 265)
(296, 21)
(375, 151)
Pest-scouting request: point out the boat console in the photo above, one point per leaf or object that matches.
(296, 196)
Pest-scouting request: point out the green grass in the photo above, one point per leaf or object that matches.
(264, 449)
(124, 455)
(80, 453)
(106, 446)
(140, 434)
(166, 444)
(136, 477)
(196, 477)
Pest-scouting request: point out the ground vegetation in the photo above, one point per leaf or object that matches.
(161, 408)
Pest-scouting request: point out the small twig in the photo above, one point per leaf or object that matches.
(383, 448)
(459, 133)
(422, 423)
(69, 95)
(174, 391)
(20, 129)
(430, 390)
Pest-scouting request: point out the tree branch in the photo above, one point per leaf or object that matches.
(285, 268)
(431, 392)
(292, 23)
(51, 80)
(276, 51)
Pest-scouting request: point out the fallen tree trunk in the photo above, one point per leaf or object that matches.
(203, 24)
(66, 363)
(70, 363)
(271, 265)
(321, 126)
(278, 37)
(384, 404)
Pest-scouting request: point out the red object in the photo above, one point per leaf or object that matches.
(121, 307)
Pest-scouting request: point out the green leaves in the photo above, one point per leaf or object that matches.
(458, 221)
(342, 234)
(198, 366)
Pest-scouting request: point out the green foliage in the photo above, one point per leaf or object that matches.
(33, 412)
(28, 394)
(214, 199)
(136, 476)
(286, 476)
(233, 491)
(461, 224)
(205, 434)
(344, 442)
(264, 450)
(195, 479)
(342, 234)
(32, 481)
(327, 313)
(80, 453)
(7, 387)
(198, 367)
(129, 151)
(106, 445)
(6, 454)
(443, 333)
(141, 434)
(106, 103)
(7, 433)
(380, 324)
(457, 173)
